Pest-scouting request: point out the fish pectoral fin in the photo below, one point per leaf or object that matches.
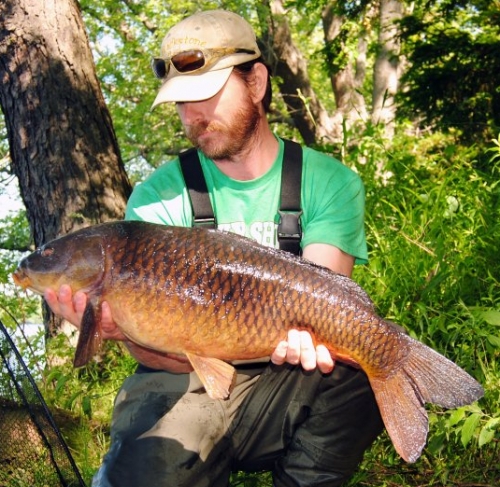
(216, 376)
(89, 340)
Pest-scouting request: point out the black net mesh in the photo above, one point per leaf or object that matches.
(32, 450)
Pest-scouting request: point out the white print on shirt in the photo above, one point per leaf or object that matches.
(262, 232)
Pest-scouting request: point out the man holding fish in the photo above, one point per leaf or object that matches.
(301, 416)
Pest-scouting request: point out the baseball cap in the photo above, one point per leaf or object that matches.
(198, 54)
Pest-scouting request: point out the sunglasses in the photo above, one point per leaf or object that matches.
(193, 60)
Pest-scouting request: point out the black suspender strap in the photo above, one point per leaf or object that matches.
(203, 213)
(289, 228)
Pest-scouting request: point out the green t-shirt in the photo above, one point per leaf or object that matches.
(332, 199)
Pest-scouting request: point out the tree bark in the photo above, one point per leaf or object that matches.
(62, 143)
(348, 81)
(386, 71)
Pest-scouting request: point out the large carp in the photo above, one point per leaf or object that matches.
(216, 297)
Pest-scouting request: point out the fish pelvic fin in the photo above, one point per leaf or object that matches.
(425, 377)
(216, 375)
(90, 339)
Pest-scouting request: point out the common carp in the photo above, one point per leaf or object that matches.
(216, 297)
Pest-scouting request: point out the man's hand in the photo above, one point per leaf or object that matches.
(300, 349)
(71, 308)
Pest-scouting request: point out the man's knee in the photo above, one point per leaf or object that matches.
(328, 446)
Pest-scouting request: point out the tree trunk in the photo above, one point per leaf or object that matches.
(386, 71)
(347, 81)
(289, 64)
(62, 143)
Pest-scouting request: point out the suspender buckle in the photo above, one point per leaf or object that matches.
(208, 222)
(289, 225)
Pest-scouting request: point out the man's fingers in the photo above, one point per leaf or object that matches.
(307, 351)
(50, 297)
(80, 302)
(299, 349)
(278, 357)
(293, 352)
(110, 330)
(324, 360)
(61, 303)
(66, 304)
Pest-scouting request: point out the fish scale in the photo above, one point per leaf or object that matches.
(216, 297)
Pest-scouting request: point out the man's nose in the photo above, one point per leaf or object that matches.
(189, 112)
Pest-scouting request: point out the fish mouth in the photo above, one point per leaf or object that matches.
(21, 279)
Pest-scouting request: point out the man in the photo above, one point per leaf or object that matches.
(299, 416)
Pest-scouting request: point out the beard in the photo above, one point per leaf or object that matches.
(231, 137)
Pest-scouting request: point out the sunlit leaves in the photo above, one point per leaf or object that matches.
(453, 49)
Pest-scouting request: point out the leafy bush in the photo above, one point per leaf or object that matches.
(433, 228)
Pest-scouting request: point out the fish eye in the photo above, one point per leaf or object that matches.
(46, 251)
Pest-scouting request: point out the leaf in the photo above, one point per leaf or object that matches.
(488, 431)
(60, 384)
(494, 340)
(436, 443)
(69, 403)
(456, 416)
(87, 406)
(485, 436)
(491, 317)
(473, 408)
(492, 423)
(54, 375)
(469, 427)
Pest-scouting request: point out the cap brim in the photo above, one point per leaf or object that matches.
(194, 87)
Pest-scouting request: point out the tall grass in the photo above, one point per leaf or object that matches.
(433, 230)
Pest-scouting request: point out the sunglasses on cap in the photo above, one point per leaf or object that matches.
(192, 60)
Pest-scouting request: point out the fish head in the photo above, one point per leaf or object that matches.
(75, 259)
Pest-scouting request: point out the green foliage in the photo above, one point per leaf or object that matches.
(125, 36)
(15, 233)
(15, 238)
(338, 52)
(453, 50)
(433, 229)
(242, 479)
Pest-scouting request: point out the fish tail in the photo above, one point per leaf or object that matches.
(424, 377)
(89, 339)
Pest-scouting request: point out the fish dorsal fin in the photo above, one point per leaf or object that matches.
(216, 376)
(90, 339)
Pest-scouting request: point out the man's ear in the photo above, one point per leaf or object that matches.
(259, 84)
